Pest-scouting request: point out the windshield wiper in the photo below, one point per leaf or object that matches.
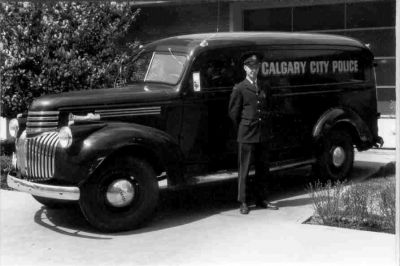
(173, 56)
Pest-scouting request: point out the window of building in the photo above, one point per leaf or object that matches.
(276, 19)
(371, 22)
(381, 41)
(371, 14)
(323, 17)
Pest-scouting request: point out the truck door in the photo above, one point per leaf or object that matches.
(209, 137)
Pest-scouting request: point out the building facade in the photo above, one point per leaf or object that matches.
(370, 21)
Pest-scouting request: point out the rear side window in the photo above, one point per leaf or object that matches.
(218, 69)
(295, 67)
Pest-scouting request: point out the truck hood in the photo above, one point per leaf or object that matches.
(103, 98)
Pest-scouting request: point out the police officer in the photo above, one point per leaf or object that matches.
(248, 108)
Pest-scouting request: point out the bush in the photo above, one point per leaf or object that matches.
(61, 46)
(5, 167)
(7, 147)
(357, 202)
(369, 205)
(327, 200)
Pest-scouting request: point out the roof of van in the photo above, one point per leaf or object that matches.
(186, 43)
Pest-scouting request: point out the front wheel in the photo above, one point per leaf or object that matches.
(336, 156)
(121, 197)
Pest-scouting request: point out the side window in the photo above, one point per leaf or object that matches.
(294, 67)
(217, 69)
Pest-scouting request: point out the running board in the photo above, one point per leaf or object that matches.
(226, 175)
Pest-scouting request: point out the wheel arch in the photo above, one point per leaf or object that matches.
(131, 151)
(343, 119)
(121, 139)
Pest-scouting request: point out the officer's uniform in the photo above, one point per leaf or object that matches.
(248, 108)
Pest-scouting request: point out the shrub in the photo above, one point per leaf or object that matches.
(5, 164)
(5, 167)
(363, 205)
(357, 202)
(327, 200)
(53, 47)
(7, 147)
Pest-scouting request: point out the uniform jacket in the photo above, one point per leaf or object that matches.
(248, 109)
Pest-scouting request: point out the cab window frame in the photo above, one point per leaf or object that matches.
(199, 65)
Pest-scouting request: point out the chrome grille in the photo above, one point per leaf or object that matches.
(40, 156)
(41, 121)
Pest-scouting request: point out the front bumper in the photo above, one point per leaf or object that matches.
(45, 191)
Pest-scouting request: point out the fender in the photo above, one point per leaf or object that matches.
(90, 152)
(340, 116)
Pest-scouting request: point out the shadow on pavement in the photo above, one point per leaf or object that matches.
(185, 206)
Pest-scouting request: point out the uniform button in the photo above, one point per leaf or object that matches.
(259, 119)
(258, 101)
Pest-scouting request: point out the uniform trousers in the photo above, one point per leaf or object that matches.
(253, 187)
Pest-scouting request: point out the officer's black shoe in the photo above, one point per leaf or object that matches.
(244, 209)
(266, 205)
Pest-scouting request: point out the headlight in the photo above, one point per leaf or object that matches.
(13, 127)
(65, 137)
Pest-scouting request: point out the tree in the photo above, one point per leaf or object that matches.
(62, 46)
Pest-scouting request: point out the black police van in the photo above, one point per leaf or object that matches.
(108, 148)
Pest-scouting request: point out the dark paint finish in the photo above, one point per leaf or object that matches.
(192, 133)
(105, 98)
(89, 152)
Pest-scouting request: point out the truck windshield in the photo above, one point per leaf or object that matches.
(157, 67)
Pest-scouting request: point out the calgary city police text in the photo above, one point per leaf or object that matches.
(313, 67)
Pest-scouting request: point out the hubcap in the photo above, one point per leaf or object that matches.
(120, 193)
(338, 156)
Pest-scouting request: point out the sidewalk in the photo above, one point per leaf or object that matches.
(387, 130)
(211, 233)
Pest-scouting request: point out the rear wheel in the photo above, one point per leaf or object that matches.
(121, 196)
(336, 156)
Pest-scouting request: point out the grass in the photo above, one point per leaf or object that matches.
(369, 205)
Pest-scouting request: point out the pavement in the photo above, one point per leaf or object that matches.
(200, 226)
(387, 130)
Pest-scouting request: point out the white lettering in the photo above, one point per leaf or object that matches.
(334, 66)
(272, 69)
(290, 69)
(313, 67)
(303, 67)
(343, 66)
(284, 67)
(264, 68)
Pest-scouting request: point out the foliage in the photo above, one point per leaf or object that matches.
(7, 147)
(327, 200)
(5, 167)
(53, 47)
(358, 202)
(368, 205)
